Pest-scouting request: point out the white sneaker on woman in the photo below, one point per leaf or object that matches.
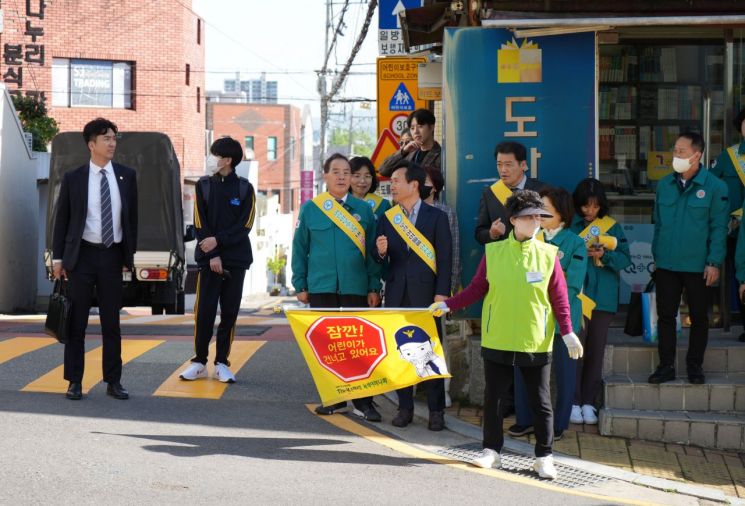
(589, 414)
(544, 466)
(576, 416)
(487, 459)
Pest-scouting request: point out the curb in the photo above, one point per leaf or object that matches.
(465, 429)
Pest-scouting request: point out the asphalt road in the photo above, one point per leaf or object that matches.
(257, 444)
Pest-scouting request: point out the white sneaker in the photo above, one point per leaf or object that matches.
(589, 414)
(223, 374)
(193, 372)
(576, 416)
(544, 466)
(487, 459)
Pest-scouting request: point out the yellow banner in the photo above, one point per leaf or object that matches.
(342, 219)
(738, 162)
(358, 354)
(588, 305)
(500, 190)
(413, 237)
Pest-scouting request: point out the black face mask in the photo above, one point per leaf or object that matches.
(426, 192)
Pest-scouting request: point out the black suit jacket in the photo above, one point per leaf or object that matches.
(407, 273)
(72, 211)
(490, 208)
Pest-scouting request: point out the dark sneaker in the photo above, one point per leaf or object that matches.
(436, 421)
(558, 435)
(369, 413)
(663, 374)
(330, 410)
(520, 430)
(403, 418)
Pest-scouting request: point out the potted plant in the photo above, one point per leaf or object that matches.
(275, 266)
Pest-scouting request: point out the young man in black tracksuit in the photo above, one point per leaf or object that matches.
(224, 212)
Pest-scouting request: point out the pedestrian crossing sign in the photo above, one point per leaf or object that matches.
(401, 99)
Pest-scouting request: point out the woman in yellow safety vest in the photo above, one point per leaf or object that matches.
(524, 289)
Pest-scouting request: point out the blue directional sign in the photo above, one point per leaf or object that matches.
(388, 12)
(401, 100)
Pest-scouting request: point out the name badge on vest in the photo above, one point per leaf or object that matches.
(533, 277)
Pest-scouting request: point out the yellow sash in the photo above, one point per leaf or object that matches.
(412, 237)
(738, 162)
(598, 227)
(588, 305)
(374, 201)
(500, 190)
(342, 219)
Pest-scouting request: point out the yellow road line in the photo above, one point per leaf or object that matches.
(399, 446)
(208, 388)
(54, 382)
(17, 346)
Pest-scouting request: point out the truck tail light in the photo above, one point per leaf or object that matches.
(154, 274)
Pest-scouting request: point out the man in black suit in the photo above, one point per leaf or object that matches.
(415, 279)
(493, 224)
(95, 238)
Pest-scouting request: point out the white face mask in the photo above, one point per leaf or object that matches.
(213, 166)
(681, 165)
(528, 228)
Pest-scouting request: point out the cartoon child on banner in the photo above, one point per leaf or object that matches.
(415, 346)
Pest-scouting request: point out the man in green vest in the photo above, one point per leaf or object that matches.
(691, 211)
(331, 263)
(730, 168)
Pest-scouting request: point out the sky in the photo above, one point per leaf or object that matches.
(285, 39)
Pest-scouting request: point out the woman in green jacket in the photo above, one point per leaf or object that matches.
(364, 184)
(608, 254)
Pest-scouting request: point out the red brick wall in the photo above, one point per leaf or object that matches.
(159, 38)
(263, 121)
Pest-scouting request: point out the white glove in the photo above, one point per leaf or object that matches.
(438, 308)
(573, 345)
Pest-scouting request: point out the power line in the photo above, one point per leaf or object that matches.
(324, 68)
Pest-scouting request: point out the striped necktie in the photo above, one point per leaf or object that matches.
(107, 222)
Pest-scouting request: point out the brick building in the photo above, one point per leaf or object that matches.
(275, 135)
(138, 63)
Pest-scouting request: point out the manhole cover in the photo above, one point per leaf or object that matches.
(512, 462)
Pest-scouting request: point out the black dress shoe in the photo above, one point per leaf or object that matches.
(696, 375)
(403, 418)
(436, 421)
(369, 413)
(663, 374)
(74, 391)
(117, 391)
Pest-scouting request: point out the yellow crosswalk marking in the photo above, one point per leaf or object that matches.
(17, 346)
(53, 381)
(208, 388)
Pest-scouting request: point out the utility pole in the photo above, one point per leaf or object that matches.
(322, 87)
(350, 140)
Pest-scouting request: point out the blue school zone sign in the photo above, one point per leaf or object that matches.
(401, 100)
(539, 92)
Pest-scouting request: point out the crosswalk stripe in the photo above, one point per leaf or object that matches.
(209, 388)
(54, 382)
(17, 346)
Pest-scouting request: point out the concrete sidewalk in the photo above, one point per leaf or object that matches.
(707, 474)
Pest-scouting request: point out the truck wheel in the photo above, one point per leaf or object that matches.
(157, 308)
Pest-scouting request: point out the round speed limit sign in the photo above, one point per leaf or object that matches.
(399, 124)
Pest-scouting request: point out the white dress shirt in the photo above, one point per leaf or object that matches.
(92, 231)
